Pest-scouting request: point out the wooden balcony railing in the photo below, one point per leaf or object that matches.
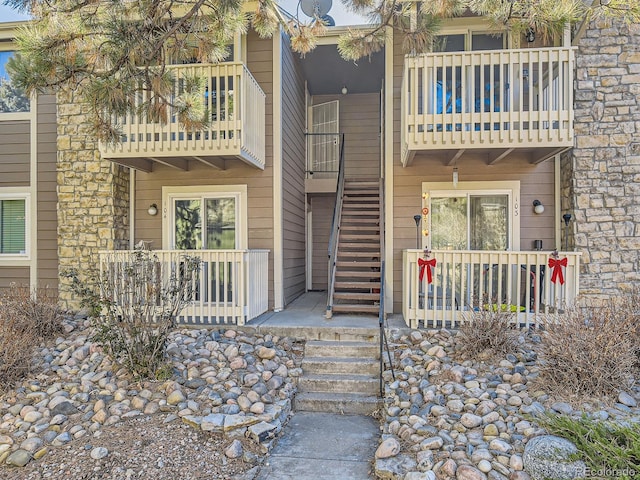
(231, 286)
(488, 99)
(236, 105)
(466, 281)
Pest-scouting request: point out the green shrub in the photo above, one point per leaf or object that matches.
(135, 304)
(610, 450)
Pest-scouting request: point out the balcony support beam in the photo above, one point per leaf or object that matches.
(497, 155)
(453, 157)
(177, 163)
(539, 156)
(217, 163)
(142, 164)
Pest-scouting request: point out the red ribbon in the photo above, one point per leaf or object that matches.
(557, 269)
(426, 263)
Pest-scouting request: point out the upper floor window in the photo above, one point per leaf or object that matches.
(12, 99)
(460, 42)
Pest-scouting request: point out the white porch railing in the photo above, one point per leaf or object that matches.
(468, 281)
(488, 99)
(231, 286)
(236, 105)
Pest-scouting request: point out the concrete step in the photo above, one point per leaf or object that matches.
(341, 365)
(346, 383)
(332, 349)
(342, 403)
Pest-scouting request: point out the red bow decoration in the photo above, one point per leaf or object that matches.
(557, 269)
(426, 263)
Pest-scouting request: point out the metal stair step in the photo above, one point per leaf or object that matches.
(355, 308)
(351, 264)
(357, 285)
(369, 274)
(356, 295)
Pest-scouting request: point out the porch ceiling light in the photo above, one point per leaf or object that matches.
(152, 210)
(344, 90)
(538, 207)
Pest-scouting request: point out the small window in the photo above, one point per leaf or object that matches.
(13, 227)
(12, 99)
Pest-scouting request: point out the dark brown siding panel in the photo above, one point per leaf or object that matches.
(321, 215)
(293, 162)
(359, 120)
(14, 155)
(47, 197)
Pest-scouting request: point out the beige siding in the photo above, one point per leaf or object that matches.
(9, 275)
(14, 154)
(259, 183)
(536, 182)
(321, 214)
(359, 119)
(47, 197)
(293, 166)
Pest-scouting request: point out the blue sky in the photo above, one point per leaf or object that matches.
(339, 13)
(9, 15)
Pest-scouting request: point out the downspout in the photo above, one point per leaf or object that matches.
(132, 208)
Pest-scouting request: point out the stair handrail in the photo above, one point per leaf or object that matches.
(381, 314)
(332, 251)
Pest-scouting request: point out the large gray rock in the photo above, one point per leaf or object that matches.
(548, 456)
(394, 467)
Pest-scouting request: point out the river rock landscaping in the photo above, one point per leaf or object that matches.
(446, 418)
(224, 387)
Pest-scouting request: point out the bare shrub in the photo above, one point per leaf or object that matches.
(16, 349)
(592, 351)
(135, 301)
(487, 334)
(37, 309)
(26, 317)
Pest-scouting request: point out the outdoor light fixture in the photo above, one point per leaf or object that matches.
(455, 177)
(152, 210)
(538, 207)
(417, 218)
(567, 218)
(530, 35)
(344, 90)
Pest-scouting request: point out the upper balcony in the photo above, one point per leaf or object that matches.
(236, 105)
(496, 100)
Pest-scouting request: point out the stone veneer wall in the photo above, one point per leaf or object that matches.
(93, 197)
(601, 183)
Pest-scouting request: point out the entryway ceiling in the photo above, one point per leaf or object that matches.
(327, 72)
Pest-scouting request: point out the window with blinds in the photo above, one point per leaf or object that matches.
(13, 226)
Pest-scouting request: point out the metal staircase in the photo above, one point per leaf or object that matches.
(354, 286)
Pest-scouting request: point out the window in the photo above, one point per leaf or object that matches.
(473, 217)
(209, 218)
(13, 226)
(12, 99)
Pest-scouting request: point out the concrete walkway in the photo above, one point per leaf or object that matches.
(323, 446)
